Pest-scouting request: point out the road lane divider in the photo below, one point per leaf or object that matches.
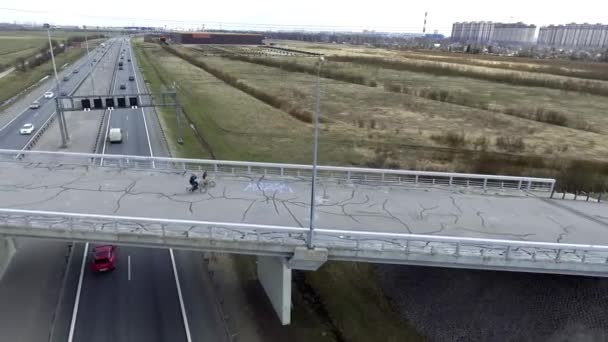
(78, 292)
(180, 296)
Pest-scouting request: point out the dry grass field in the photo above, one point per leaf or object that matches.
(261, 112)
(402, 119)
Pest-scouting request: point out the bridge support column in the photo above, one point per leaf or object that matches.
(274, 273)
(275, 277)
(7, 250)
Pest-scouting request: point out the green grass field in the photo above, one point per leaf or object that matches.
(558, 67)
(15, 44)
(374, 127)
(401, 119)
(16, 81)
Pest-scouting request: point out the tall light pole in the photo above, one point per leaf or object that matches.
(315, 154)
(62, 124)
(48, 32)
(89, 59)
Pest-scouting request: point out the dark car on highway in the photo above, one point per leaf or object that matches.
(123, 86)
(131, 78)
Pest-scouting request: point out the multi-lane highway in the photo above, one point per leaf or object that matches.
(143, 299)
(138, 301)
(9, 132)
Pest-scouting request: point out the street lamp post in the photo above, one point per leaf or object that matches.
(315, 154)
(62, 123)
(48, 32)
(89, 59)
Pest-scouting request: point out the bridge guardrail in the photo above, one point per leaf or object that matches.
(282, 240)
(336, 173)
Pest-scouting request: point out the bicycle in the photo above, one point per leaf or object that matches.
(205, 184)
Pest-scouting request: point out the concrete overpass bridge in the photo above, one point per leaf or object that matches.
(367, 215)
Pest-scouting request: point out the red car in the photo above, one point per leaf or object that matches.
(104, 258)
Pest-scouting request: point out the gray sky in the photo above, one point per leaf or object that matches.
(384, 15)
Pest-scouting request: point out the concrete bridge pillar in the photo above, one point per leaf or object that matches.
(275, 277)
(7, 250)
(274, 273)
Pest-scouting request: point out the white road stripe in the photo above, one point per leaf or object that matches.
(181, 298)
(25, 110)
(78, 291)
(142, 110)
(129, 267)
(105, 139)
(177, 283)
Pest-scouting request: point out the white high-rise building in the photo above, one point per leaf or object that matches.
(484, 32)
(574, 35)
(473, 32)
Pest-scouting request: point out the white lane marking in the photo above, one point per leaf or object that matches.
(129, 267)
(181, 298)
(37, 99)
(78, 291)
(25, 110)
(105, 138)
(177, 283)
(143, 114)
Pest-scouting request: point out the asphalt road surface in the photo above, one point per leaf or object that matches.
(139, 301)
(9, 132)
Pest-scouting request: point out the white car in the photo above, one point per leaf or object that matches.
(48, 95)
(115, 135)
(35, 105)
(28, 128)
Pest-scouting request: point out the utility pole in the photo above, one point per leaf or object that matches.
(89, 59)
(424, 27)
(62, 124)
(309, 241)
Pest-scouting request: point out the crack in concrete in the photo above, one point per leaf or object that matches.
(395, 217)
(565, 229)
(421, 214)
(292, 215)
(40, 201)
(443, 227)
(126, 192)
(247, 210)
(520, 236)
(483, 221)
(456, 205)
(274, 202)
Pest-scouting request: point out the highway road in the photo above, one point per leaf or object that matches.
(9, 132)
(30, 288)
(140, 300)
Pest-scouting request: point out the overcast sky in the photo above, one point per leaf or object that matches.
(384, 15)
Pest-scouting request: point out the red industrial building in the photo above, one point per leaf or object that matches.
(216, 38)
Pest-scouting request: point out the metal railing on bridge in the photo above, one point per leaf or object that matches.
(350, 245)
(243, 168)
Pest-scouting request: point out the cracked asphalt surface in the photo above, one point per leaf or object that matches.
(284, 201)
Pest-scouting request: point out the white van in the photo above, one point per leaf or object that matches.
(115, 135)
